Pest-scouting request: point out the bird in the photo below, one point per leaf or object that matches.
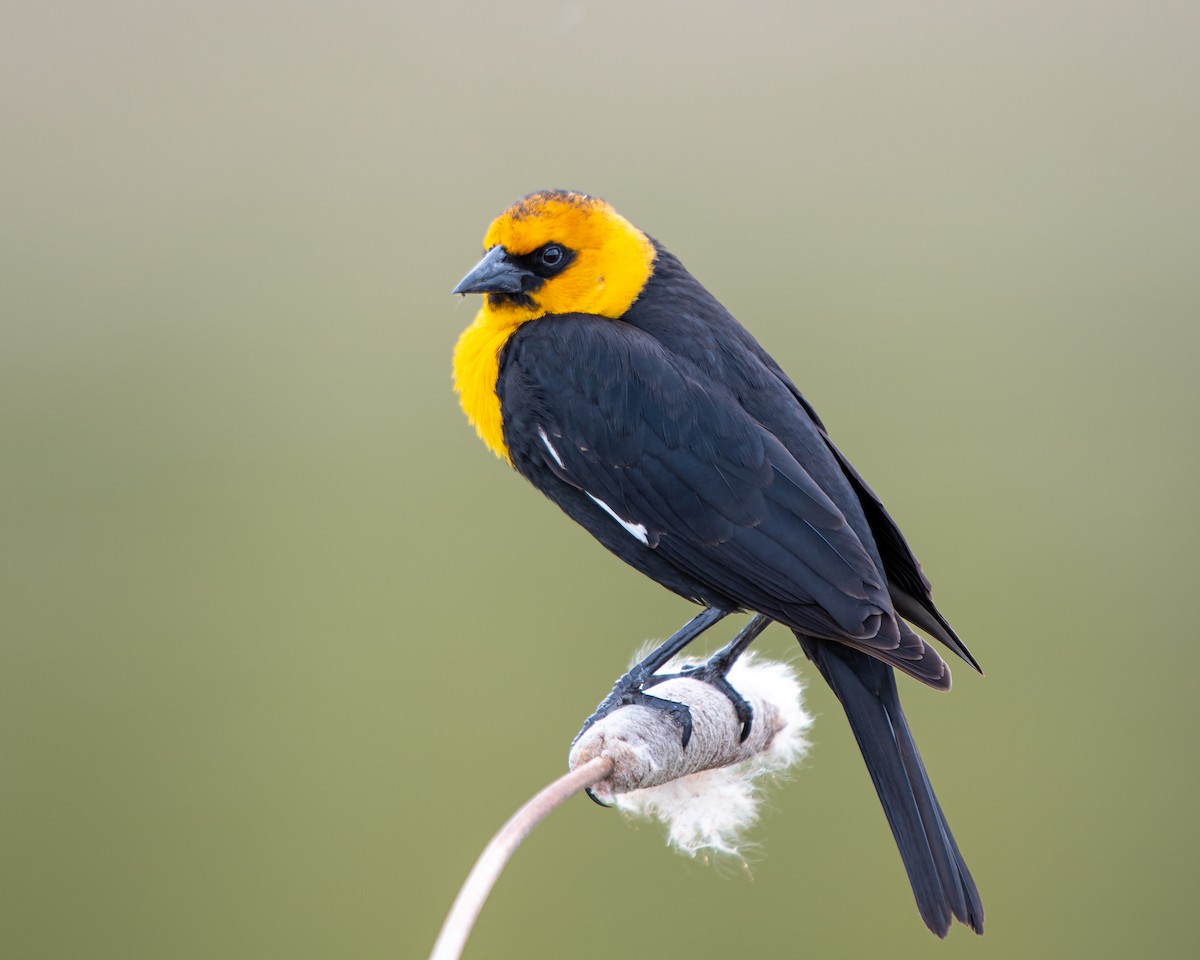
(609, 377)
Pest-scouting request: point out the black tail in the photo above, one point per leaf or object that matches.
(940, 880)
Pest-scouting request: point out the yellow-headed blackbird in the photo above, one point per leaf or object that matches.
(607, 376)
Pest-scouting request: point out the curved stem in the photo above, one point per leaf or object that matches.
(487, 869)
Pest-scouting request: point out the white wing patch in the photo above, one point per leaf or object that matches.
(636, 529)
(554, 453)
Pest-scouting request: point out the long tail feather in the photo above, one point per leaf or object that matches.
(941, 882)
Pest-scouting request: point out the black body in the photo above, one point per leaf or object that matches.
(675, 418)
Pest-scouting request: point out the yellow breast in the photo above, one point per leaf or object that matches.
(476, 367)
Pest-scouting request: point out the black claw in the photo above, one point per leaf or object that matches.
(682, 715)
(596, 800)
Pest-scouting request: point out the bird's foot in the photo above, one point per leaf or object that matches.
(628, 691)
(714, 672)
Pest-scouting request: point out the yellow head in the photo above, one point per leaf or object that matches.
(554, 252)
(560, 252)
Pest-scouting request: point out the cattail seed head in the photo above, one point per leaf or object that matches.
(707, 794)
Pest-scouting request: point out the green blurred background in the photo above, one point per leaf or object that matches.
(282, 644)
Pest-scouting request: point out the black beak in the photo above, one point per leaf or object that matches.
(495, 273)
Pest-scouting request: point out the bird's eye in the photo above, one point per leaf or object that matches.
(552, 255)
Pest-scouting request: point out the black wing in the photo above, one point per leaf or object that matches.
(633, 443)
(680, 313)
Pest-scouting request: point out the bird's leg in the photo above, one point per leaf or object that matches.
(715, 670)
(628, 690)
